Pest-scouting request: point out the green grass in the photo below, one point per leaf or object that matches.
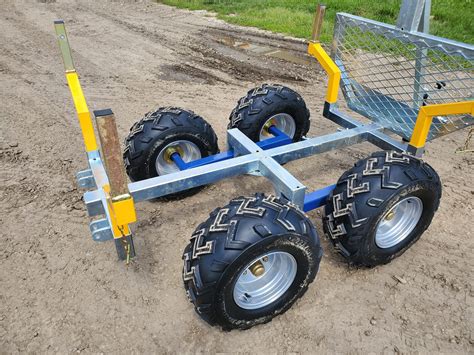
(450, 18)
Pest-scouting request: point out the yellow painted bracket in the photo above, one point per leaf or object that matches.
(83, 113)
(316, 50)
(122, 213)
(425, 118)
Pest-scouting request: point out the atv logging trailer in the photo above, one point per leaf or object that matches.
(253, 258)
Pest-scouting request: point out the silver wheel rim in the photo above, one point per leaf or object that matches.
(186, 149)
(283, 121)
(398, 222)
(253, 292)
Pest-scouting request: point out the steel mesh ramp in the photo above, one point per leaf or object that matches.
(387, 74)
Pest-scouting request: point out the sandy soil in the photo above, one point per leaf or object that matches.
(62, 292)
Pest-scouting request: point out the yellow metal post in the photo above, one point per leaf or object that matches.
(425, 118)
(80, 103)
(334, 73)
(317, 51)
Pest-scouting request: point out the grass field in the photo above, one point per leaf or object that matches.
(449, 18)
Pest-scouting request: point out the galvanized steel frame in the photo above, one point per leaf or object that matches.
(249, 158)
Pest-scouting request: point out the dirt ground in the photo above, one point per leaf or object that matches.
(62, 292)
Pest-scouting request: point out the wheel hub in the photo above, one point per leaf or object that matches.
(264, 280)
(283, 121)
(170, 151)
(186, 149)
(397, 224)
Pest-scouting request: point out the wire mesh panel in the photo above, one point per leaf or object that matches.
(388, 74)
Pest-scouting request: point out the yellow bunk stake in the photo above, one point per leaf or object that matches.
(80, 103)
(316, 50)
(425, 117)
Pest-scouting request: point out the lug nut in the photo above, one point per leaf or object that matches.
(257, 269)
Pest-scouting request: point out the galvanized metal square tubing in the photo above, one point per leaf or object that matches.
(249, 158)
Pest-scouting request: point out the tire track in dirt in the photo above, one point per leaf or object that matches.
(197, 48)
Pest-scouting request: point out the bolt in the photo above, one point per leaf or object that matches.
(257, 269)
(170, 151)
(267, 126)
(390, 216)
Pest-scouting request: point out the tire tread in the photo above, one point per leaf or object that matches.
(380, 177)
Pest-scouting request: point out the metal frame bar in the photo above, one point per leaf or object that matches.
(421, 24)
(378, 138)
(411, 15)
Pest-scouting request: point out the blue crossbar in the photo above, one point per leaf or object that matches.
(278, 140)
(317, 198)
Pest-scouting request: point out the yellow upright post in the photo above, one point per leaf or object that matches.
(317, 51)
(80, 103)
(425, 118)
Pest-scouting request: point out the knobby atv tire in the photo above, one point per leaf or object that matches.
(261, 103)
(235, 235)
(149, 136)
(365, 193)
